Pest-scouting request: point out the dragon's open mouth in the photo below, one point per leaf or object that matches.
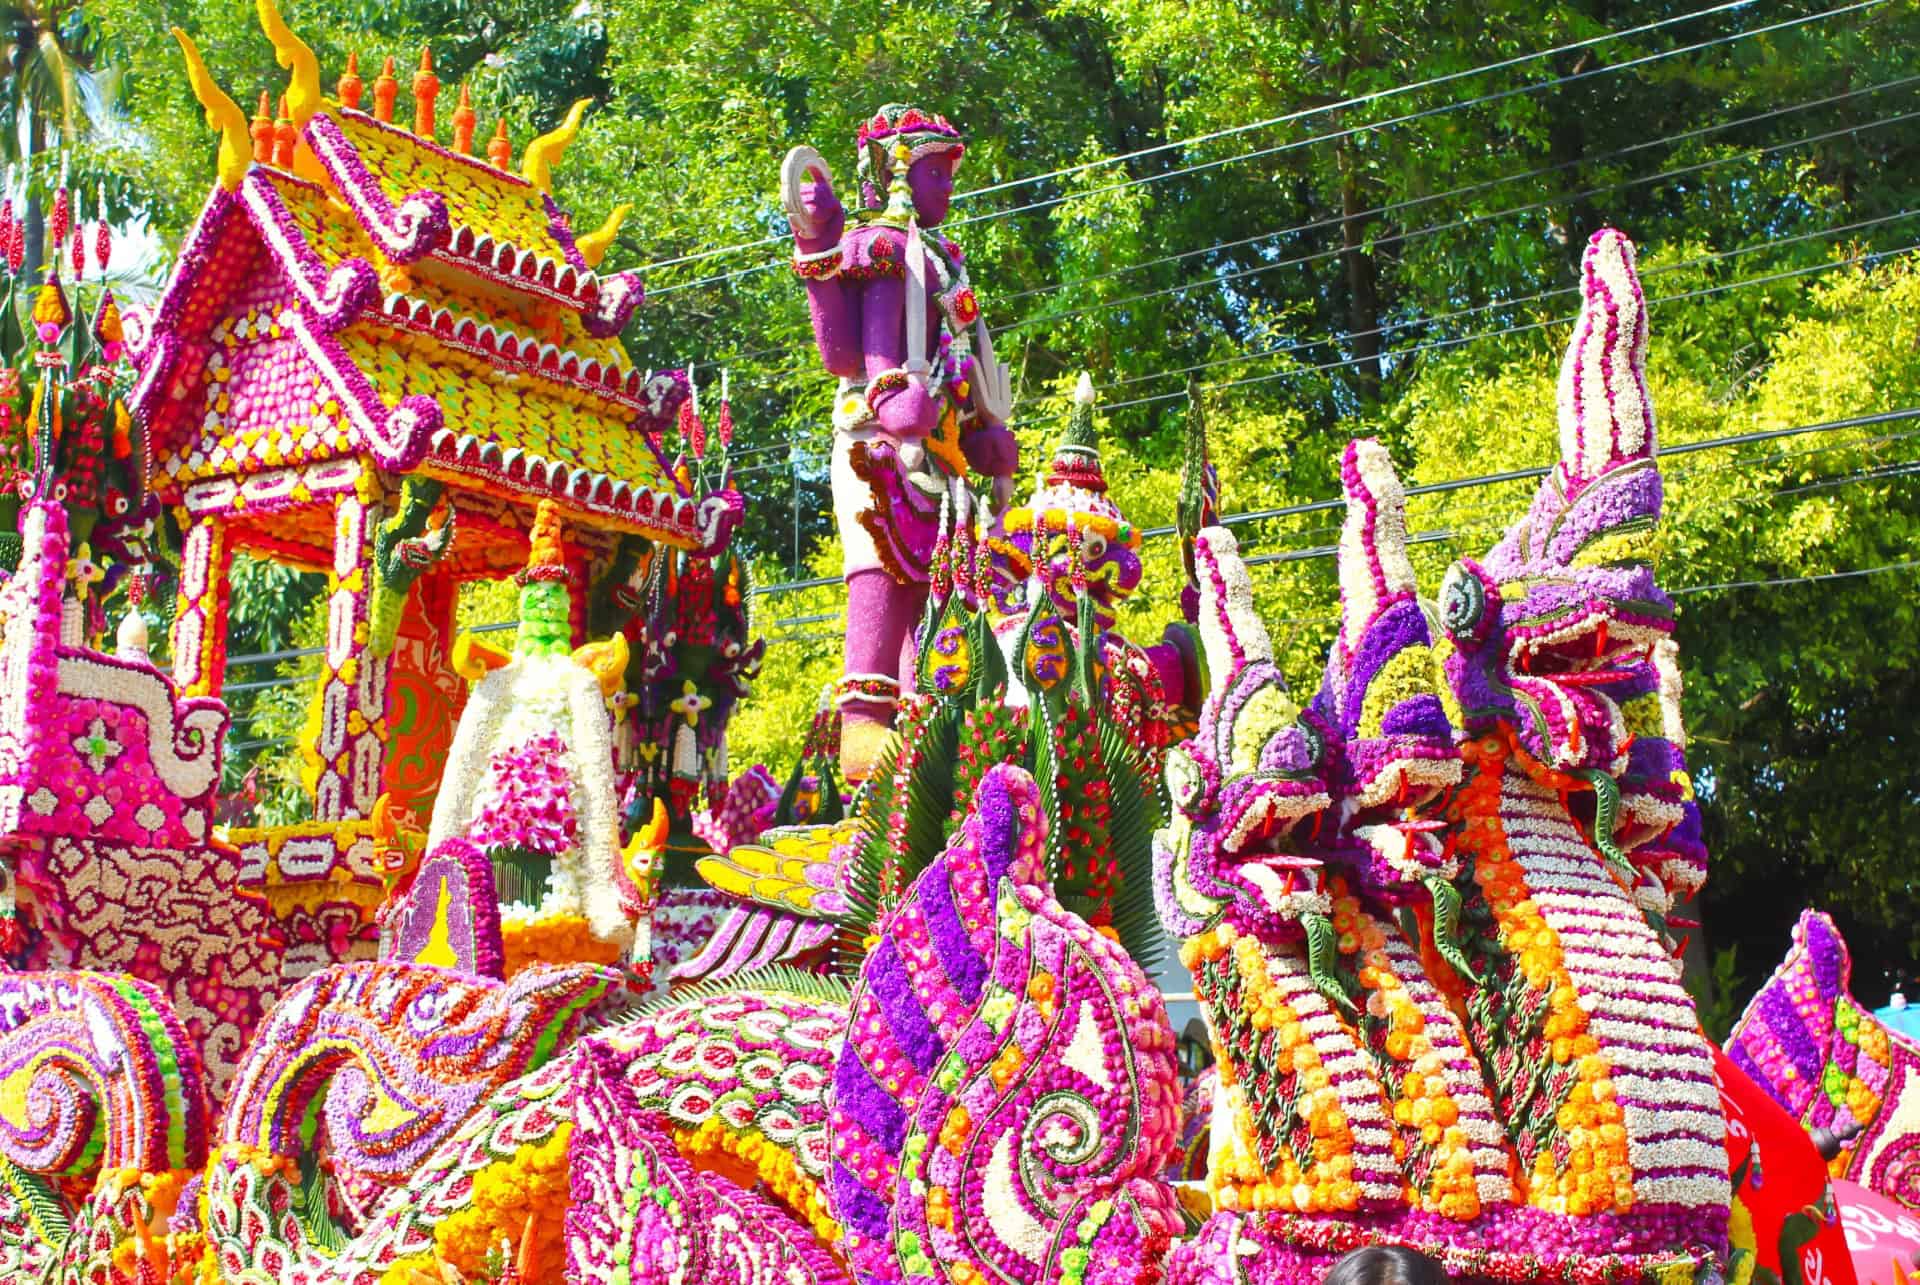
(1592, 651)
(1266, 821)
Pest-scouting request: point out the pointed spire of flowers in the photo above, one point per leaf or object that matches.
(464, 122)
(261, 130)
(350, 86)
(426, 88)
(385, 89)
(285, 137)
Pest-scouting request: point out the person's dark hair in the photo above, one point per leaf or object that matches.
(1386, 1265)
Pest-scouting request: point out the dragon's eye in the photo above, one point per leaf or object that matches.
(1463, 603)
(60, 491)
(1186, 783)
(116, 504)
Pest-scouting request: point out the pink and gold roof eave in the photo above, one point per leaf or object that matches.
(418, 199)
(341, 296)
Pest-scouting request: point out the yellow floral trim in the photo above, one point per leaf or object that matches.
(715, 1146)
(1409, 674)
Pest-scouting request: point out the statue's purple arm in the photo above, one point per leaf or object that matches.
(909, 411)
(833, 304)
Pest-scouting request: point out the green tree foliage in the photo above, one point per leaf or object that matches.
(1397, 265)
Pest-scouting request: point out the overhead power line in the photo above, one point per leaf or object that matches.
(1458, 340)
(1432, 229)
(1333, 136)
(1233, 131)
(1478, 480)
(1375, 213)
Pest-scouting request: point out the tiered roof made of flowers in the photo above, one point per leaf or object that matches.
(355, 289)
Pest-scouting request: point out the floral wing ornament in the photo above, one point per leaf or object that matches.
(1820, 1054)
(1011, 1092)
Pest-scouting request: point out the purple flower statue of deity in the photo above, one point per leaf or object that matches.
(922, 401)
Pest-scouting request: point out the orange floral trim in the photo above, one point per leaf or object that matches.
(1597, 1176)
(716, 1146)
(1424, 1109)
(1325, 1182)
(553, 939)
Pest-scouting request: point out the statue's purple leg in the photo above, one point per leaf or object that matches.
(881, 614)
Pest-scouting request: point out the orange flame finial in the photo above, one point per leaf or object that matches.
(464, 122)
(385, 90)
(426, 88)
(284, 137)
(262, 130)
(500, 151)
(351, 87)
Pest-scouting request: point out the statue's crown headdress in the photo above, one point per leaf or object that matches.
(895, 137)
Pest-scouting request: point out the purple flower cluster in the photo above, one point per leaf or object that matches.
(528, 805)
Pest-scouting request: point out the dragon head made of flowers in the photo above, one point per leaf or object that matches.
(1561, 633)
(1252, 772)
(1389, 738)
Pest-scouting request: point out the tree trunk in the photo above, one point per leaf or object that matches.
(1363, 296)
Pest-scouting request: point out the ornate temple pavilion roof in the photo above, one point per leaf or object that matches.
(364, 291)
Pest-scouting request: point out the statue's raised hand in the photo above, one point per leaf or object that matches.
(991, 451)
(812, 206)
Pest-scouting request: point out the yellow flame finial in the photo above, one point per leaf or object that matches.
(223, 115)
(594, 245)
(544, 152)
(291, 52)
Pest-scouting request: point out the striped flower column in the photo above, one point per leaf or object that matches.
(1656, 1060)
(1471, 1142)
(346, 746)
(1285, 1055)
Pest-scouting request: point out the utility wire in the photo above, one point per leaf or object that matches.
(1377, 212)
(1883, 472)
(1397, 238)
(1557, 292)
(1333, 136)
(1449, 534)
(1251, 126)
(1483, 479)
(1458, 340)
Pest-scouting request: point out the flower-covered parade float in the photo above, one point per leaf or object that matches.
(545, 991)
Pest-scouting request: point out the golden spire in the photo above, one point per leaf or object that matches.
(291, 52)
(351, 86)
(536, 165)
(593, 246)
(463, 123)
(499, 150)
(223, 114)
(426, 88)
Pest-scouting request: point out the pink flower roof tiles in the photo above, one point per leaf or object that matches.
(406, 303)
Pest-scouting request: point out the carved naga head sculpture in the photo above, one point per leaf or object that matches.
(1561, 633)
(1251, 773)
